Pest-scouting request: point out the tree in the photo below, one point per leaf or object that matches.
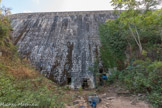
(0, 7)
(128, 35)
(150, 4)
(133, 9)
(135, 4)
(127, 4)
(5, 11)
(130, 20)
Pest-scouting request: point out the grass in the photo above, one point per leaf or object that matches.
(22, 85)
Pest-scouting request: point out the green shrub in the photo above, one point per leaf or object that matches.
(113, 77)
(16, 92)
(144, 77)
(113, 43)
(133, 31)
(4, 28)
(155, 98)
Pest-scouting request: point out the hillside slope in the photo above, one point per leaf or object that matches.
(20, 84)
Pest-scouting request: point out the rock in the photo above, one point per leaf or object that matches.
(79, 97)
(134, 102)
(110, 98)
(140, 95)
(124, 92)
(0, 54)
(75, 102)
(63, 46)
(104, 95)
(107, 105)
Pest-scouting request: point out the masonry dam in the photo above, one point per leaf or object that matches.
(61, 45)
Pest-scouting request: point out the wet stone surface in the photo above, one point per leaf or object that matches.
(61, 45)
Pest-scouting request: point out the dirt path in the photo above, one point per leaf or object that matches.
(112, 98)
(121, 102)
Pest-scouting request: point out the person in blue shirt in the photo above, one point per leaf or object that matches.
(93, 104)
(104, 77)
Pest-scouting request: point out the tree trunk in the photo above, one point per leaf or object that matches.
(137, 39)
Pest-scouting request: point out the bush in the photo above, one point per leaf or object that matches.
(16, 92)
(122, 38)
(128, 32)
(4, 28)
(144, 77)
(113, 77)
(155, 98)
(113, 43)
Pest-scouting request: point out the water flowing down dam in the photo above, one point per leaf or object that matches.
(61, 45)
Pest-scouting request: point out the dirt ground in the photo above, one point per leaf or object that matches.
(122, 102)
(111, 97)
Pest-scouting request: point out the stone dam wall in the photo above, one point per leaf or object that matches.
(62, 45)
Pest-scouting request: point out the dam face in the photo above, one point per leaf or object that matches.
(63, 45)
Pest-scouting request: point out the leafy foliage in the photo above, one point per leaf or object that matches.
(135, 4)
(16, 92)
(116, 35)
(144, 76)
(113, 43)
(4, 28)
(135, 39)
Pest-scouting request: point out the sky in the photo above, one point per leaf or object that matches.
(21, 6)
(28, 6)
